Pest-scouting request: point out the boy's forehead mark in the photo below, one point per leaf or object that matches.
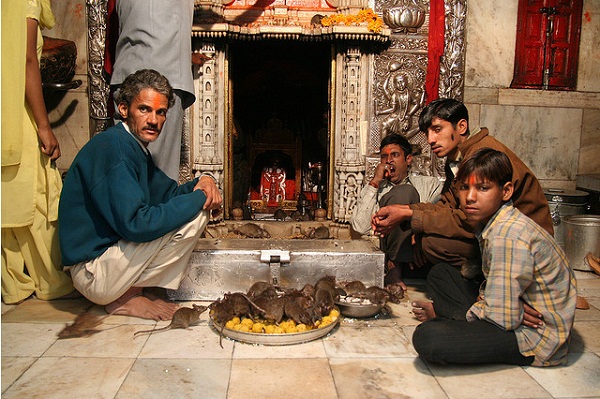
(472, 179)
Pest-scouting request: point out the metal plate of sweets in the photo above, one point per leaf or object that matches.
(276, 339)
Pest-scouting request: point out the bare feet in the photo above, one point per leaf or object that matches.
(134, 303)
(394, 276)
(423, 310)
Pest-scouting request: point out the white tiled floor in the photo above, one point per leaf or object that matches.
(360, 359)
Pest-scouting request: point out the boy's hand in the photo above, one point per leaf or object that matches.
(531, 318)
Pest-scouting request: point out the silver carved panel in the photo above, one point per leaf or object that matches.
(98, 88)
(407, 55)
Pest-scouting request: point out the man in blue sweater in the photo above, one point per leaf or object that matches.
(124, 225)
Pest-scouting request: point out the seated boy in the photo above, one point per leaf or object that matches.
(524, 267)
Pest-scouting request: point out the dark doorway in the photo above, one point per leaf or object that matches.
(280, 102)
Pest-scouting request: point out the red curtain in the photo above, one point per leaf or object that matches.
(435, 48)
(112, 34)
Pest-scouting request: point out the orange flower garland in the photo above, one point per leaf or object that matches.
(366, 15)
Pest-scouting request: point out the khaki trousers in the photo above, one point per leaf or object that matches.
(159, 263)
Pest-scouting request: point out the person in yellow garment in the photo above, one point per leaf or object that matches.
(31, 182)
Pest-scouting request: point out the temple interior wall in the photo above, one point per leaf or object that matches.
(556, 133)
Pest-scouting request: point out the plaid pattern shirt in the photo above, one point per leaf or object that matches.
(522, 262)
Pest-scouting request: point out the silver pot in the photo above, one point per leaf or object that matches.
(564, 203)
(582, 236)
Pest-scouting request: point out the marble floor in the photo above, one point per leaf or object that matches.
(371, 358)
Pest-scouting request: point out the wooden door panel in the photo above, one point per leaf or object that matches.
(547, 40)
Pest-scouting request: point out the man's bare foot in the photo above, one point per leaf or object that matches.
(154, 293)
(134, 303)
(394, 276)
(423, 310)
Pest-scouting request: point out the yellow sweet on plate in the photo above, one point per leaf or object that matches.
(247, 322)
(258, 328)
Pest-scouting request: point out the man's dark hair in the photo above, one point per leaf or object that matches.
(487, 164)
(395, 138)
(144, 79)
(447, 109)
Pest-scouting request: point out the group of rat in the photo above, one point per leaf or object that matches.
(501, 288)
(263, 301)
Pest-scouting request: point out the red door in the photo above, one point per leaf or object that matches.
(547, 47)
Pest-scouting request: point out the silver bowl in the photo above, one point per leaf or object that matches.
(359, 310)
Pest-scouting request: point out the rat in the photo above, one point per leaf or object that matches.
(257, 289)
(233, 304)
(84, 325)
(273, 308)
(377, 295)
(300, 310)
(327, 283)
(182, 318)
(396, 292)
(324, 301)
(280, 214)
(321, 232)
(353, 287)
(252, 230)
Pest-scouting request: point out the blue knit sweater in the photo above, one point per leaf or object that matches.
(114, 191)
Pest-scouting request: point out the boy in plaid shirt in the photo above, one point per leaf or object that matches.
(524, 268)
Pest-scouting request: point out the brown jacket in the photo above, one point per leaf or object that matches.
(446, 219)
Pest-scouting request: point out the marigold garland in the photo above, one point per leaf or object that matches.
(374, 22)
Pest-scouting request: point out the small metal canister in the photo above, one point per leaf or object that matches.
(564, 203)
(582, 236)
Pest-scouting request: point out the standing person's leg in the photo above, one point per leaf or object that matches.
(117, 277)
(17, 284)
(166, 150)
(461, 342)
(31, 262)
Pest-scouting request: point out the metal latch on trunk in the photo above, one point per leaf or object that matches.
(274, 258)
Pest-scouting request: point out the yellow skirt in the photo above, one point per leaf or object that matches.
(31, 258)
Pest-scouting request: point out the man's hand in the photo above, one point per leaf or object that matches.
(388, 217)
(531, 318)
(213, 195)
(380, 173)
